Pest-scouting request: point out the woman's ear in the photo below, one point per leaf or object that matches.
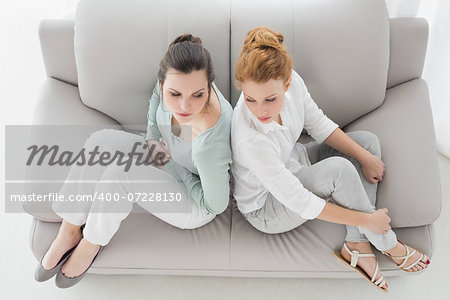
(288, 84)
(237, 84)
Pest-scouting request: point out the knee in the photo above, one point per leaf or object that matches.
(373, 144)
(113, 189)
(368, 140)
(341, 166)
(99, 137)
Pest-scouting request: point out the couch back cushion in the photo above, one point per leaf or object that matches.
(118, 46)
(339, 47)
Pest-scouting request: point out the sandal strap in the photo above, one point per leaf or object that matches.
(414, 263)
(381, 279)
(401, 257)
(380, 282)
(355, 255)
(405, 258)
(375, 274)
(408, 255)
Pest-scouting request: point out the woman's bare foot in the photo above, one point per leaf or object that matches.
(368, 264)
(68, 236)
(80, 259)
(399, 250)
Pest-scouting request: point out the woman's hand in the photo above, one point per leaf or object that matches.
(373, 168)
(159, 153)
(378, 221)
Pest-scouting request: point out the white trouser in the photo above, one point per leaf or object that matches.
(103, 218)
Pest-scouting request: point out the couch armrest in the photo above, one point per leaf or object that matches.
(411, 186)
(57, 46)
(408, 46)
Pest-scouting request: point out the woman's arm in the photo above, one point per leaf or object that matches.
(211, 189)
(373, 167)
(159, 156)
(153, 132)
(340, 215)
(377, 221)
(340, 141)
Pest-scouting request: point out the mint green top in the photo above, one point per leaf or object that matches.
(201, 165)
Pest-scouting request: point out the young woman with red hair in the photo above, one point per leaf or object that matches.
(278, 187)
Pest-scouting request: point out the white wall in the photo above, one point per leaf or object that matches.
(437, 62)
(21, 67)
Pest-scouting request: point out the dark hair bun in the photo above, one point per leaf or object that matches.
(187, 37)
(186, 54)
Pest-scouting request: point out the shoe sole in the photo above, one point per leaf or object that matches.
(338, 255)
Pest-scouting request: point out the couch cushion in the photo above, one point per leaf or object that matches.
(342, 53)
(404, 125)
(146, 243)
(58, 104)
(118, 46)
(307, 251)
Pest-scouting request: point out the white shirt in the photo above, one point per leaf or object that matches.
(265, 156)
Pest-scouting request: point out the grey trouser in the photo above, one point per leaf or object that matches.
(334, 177)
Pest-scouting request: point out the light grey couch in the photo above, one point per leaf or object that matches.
(362, 68)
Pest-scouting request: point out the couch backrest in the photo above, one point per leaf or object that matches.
(118, 46)
(339, 47)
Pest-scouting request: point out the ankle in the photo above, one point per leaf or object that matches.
(358, 245)
(70, 234)
(394, 250)
(87, 246)
(69, 229)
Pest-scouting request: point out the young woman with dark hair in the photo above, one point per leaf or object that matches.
(188, 136)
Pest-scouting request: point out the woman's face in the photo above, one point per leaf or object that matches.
(185, 95)
(265, 100)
